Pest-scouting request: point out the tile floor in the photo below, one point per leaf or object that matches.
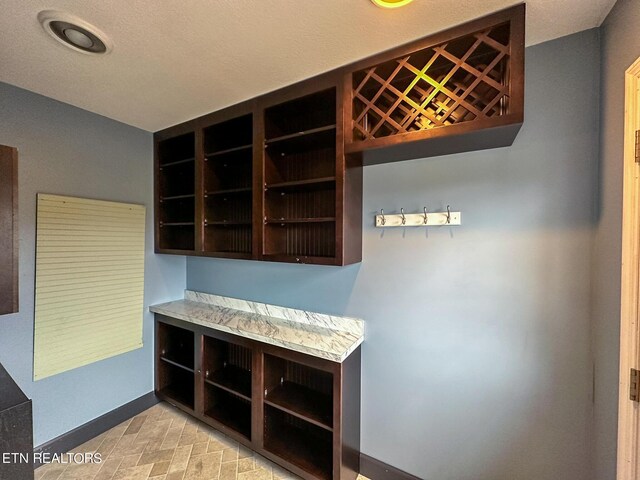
(163, 443)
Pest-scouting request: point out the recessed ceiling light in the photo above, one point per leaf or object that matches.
(74, 32)
(391, 3)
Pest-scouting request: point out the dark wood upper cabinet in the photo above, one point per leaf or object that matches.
(279, 177)
(306, 180)
(226, 184)
(458, 90)
(8, 230)
(175, 189)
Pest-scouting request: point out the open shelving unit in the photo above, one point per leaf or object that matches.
(175, 374)
(279, 177)
(299, 390)
(227, 378)
(227, 187)
(175, 184)
(298, 442)
(300, 177)
(282, 404)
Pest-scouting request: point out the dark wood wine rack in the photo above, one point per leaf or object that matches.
(459, 90)
(279, 178)
(458, 81)
(299, 411)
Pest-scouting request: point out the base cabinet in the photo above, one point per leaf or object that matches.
(16, 431)
(299, 411)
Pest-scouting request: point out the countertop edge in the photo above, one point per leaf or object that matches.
(338, 358)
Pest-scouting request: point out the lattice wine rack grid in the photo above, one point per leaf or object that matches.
(462, 80)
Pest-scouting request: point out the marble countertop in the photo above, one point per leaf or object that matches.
(325, 336)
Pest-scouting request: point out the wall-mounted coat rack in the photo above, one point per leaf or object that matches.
(423, 219)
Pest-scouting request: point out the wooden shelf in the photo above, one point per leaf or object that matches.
(177, 162)
(302, 185)
(178, 394)
(304, 448)
(176, 364)
(228, 409)
(233, 379)
(229, 150)
(296, 135)
(228, 191)
(229, 223)
(177, 197)
(177, 224)
(304, 403)
(300, 220)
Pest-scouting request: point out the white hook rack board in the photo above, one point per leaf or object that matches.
(418, 219)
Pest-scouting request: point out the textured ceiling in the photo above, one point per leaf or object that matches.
(175, 60)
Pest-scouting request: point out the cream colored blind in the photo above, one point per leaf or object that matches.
(89, 282)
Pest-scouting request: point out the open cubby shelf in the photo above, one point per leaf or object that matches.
(230, 410)
(233, 379)
(304, 114)
(308, 158)
(298, 137)
(176, 238)
(175, 183)
(180, 392)
(300, 390)
(176, 382)
(280, 403)
(227, 183)
(303, 402)
(241, 148)
(233, 134)
(176, 345)
(298, 442)
(309, 239)
(228, 365)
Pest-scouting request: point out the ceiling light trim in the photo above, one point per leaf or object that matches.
(391, 3)
(55, 23)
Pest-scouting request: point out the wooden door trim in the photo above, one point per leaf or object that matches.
(629, 411)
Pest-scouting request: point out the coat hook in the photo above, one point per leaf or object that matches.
(425, 216)
(448, 214)
(382, 215)
(404, 220)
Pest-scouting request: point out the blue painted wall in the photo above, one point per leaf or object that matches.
(477, 359)
(620, 48)
(69, 151)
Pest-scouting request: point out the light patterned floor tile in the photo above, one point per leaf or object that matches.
(163, 443)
